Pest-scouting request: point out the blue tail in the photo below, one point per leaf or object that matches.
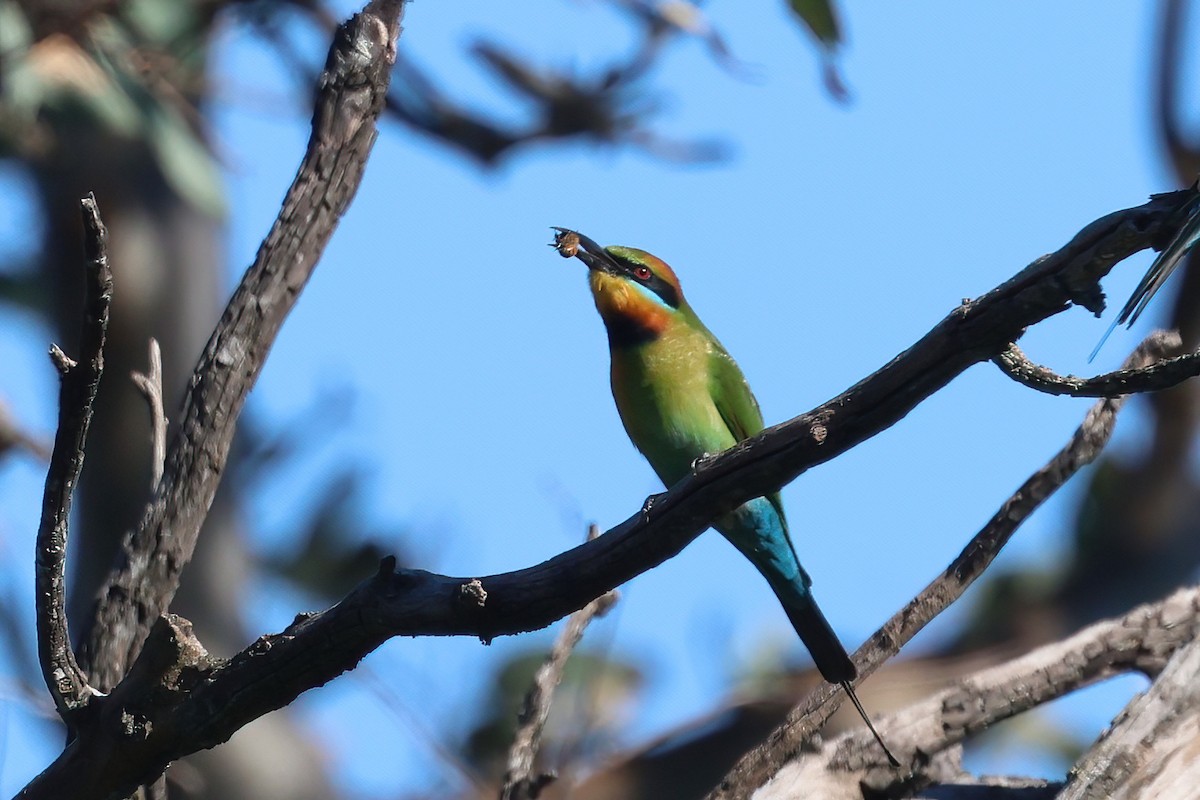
(758, 530)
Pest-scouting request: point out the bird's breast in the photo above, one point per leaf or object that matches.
(663, 392)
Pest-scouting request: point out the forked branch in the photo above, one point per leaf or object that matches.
(348, 103)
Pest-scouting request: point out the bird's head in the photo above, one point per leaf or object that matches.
(637, 294)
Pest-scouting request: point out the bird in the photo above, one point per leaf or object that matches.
(681, 397)
(1180, 245)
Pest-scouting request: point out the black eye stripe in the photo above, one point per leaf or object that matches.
(652, 282)
(663, 289)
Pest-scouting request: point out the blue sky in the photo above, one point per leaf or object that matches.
(980, 136)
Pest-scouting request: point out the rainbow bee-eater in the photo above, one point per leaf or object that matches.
(1172, 255)
(681, 396)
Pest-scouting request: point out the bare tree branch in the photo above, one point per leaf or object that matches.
(150, 385)
(807, 718)
(1160, 373)
(1150, 749)
(347, 106)
(519, 781)
(992, 787)
(1141, 640)
(604, 107)
(78, 383)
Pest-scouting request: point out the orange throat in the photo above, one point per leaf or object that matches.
(629, 315)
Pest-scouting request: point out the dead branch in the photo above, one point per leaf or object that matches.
(1142, 640)
(78, 384)
(1160, 373)
(1150, 749)
(115, 751)
(147, 574)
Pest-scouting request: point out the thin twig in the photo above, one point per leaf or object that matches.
(807, 718)
(78, 384)
(602, 107)
(150, 385)
(347, 107)
(519, 781)
(1160, 373)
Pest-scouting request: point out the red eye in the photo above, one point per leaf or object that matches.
(642, 273)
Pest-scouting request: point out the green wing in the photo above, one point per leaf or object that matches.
(732, 396)
(736, 403)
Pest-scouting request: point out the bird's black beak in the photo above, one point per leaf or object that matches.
(570, 243)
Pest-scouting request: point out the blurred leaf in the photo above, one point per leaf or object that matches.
(821, 20)
(1093, 529)
(186, 162)
(54, 84)
(1037, 731)
(1010, 607)
(181, 153)
(161, 21)
(124, 81)
(767, 672)
(15, 33)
